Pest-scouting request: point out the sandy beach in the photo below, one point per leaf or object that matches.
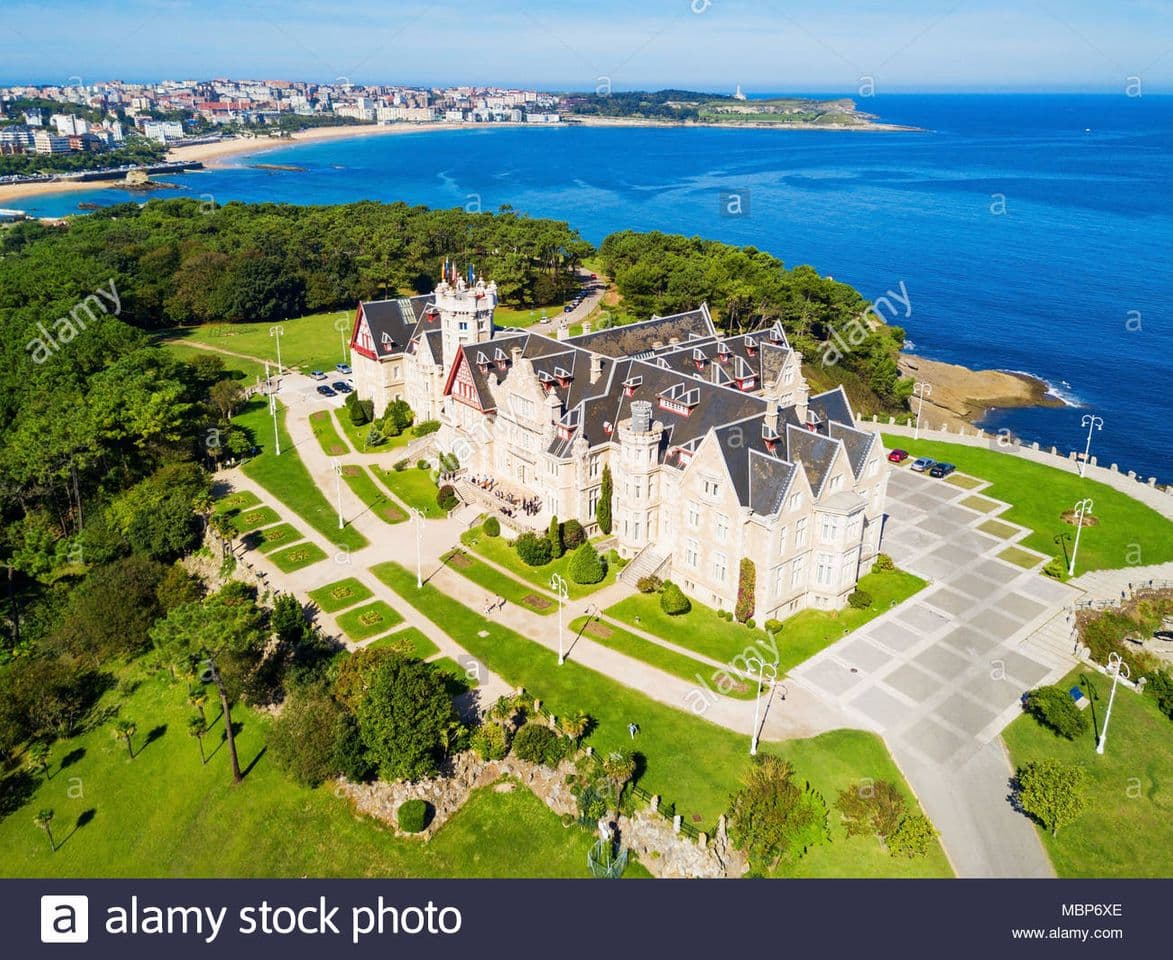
(959, 395)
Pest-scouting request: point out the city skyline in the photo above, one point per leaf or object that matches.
(912, 46)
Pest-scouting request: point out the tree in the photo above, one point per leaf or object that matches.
(288, 619)
(912, 837)
(673, 601)
(603, 508)
(197, 696)
(533, 550)
(586, 566)
(226, 396)
(491, 527)
(746, 590)
(537, 743)
(619, 767)
(37, 759)
(771, 818)
(446, 498)
(305, 737)
(44, 820)
(573, 535)
(197, 726)
(575, 725)
(1052, 792)
(1053, 707)
(124, 730)
(404, 717)
(555, 538)
(875, 808)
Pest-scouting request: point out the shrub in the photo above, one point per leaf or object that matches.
(413, 815)
(555, 537)
(673, 601)
(751, 623)
(912, 837)
(491, 741)
(446, 498)
(746, 586)
(573, 535)
(859, 599)
(537, 743)
(1160, 685)
(1052, 792)
(773, 626)
(882, 563)
(603, 510)
(350, 753)
(616, 561)
(492, 527)
(422, 464)
(533, 550)
(400, 464)
(368, 409)
(1053, 707)
(649, 584)
(1055, 569)
(306, 736)
(586, 566)
(424, 427)
(774, 819)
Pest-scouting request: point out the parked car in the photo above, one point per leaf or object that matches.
(1166, 635)
(318, 375)
(594, 276)
(898, 456)
(342, 387)
(921, 464)
(326, 391)
(941, 469)
(343, 368)
(567, 309)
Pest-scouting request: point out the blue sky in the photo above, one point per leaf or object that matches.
(767, 45)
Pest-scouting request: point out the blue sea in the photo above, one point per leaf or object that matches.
(1031, 233)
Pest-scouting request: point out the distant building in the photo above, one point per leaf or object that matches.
(738, 95)
(542, 118)
(46, 142)
(163, 131)
(68, 125)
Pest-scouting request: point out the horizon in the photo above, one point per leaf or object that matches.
(909, 48)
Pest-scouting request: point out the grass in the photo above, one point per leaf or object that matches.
(1039, 495)
(368, 621)
(339, 595)
(497, 583)
(700, 629)
(298, 556)
(375, 500)
(677, 664)
(247, 372)
(309, 343)
(410, 642)
(1127, 830)
(165, 814)
(461, 680)
(322, 423)
(1020, 558)
(272, 538)
(287, 478)
(981, 504)
(501, 553)
(414, 487)
(996, 528)
(237, 500)
(961, 480)
(357, 435)
(253, 518)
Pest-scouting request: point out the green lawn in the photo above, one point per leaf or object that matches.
(253, 518)
(298, 556)
(460, 679)
(164, 814)
(340, 595)
(1127, 830)
(501, 553)
(677, 664)
(700, 629)
(414, 487)
(272, 538)
(237, 500)
(247, 372)
(498, 584)
(410, 642)
(308, 343)
(1039, 495)
(287, 478)
(358, 435)
(322, 423)
(368, 621)
(381, 505)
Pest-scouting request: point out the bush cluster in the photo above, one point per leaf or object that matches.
(1053, 707)
(537, 743)
(649, 584)
(413, 815)
(883, 563)
(859, 599)
(533, 550)
(673, 601)
(446, 498)
(586, 566)
(492, 527)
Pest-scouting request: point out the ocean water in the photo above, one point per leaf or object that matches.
(1031, 233)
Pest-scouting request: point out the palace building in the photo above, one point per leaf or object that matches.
(716, 447)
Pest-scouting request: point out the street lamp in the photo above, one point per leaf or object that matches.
(1117, 667)
(276, 433)
(922, 390)
(418, 519)
(1092, 422)
(1082, 509)
(762, 668)
(342, 325)
(337, 465)
(558, 585)
(276, 332)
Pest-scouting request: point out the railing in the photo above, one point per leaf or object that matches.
(686, 828)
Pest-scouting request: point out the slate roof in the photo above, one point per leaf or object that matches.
(637, 339)
(393, 323)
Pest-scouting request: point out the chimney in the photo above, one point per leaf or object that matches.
(586, 327)
(596, 368)
(772, 414)
(657, 344)
(674, 341)
(515, 354)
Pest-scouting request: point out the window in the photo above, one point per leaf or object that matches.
(694, 514)
(800, 533)
(720, 567)
(788, 376)
(782, 540)
(780, 581)
(847, 572)
(873, 466)
(522, 406)
(830, 529)
(837, 483)
(463, 325)
(853, 526)
(722, 528)
(594, 466)
(592, 502)
(712, 487)
(795, 501)
(692, 553)
(824, 570)
(796, 571)
(395, 371)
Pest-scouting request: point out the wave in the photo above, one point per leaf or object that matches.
(1060, 391)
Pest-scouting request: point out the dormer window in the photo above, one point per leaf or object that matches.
(564, 377)
(776, 334)
(680, 399)
(699, 358)
(770, 436)
(608, 427)
(482, 361)
(386, 341)
(751, 347)
(546, 381)
(724, 354)
(500, 359)
(631, 384)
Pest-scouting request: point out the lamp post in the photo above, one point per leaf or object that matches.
(276, 433)
(276, 332)
(558, 585)
(337, 465)
(341, 325)
(418, 519)
(1116, 667)
(1082, 509)
(762, 668)
(922, 390)
(1092, 422)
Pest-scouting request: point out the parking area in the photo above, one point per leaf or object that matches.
(942, 674)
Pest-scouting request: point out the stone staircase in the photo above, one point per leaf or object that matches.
(1055, 639)
(647, 563)
(1116, 585)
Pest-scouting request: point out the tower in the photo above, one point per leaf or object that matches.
(637, 514)
(466, 314)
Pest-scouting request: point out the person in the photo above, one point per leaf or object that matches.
(633, 729)
(500, 603)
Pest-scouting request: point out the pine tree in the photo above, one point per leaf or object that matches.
(603, 510)
(555, 537)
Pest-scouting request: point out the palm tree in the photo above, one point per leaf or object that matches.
(44, 820)
(37, 759)
(197, 726)
(197, 696)
(619, 767)
(123, 729)
(574, 727)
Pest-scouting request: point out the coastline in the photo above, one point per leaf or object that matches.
(962, 396)
(865, 127)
